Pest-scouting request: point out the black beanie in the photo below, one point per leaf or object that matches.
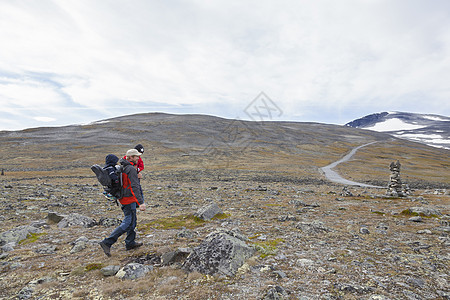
(139, 148)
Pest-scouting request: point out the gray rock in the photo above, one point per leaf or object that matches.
(78, 247)
(287, 218)
(80, 239)
(416, 219)
(133, 271)
(305, 262)
(17, 234)
(54, 217)
(313, 227)
(378, 297)
(346, 192)
(75, 219)
(27, 291)
(185, 233)
(178, 255)
(109, 222)
(110, 270)
(208, 212)
(364, 230)
(222, 252)
(410, 295)
(425, 211)
(9, 247)
(279, 274)
(416, 282)
(46, 249)
(275, 293)
(40, 224)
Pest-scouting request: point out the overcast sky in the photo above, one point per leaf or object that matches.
(77, 61)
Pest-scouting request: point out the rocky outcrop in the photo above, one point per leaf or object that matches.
(222, 252)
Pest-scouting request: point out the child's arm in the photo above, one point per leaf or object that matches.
(140, 165)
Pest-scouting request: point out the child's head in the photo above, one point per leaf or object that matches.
(111, 159)
(139, 148)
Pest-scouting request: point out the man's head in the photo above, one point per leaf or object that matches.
(133, 155)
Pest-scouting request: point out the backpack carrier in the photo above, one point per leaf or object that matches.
(108, 185)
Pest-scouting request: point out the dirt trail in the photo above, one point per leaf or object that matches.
(335, 177)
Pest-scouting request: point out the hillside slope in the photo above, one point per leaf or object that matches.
(180, 143)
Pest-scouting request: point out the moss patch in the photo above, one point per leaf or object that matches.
(93, 266)
(177, 222)
(269, 247)
(31, 238)
(221, 216)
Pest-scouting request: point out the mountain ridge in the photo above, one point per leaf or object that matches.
(429, 129)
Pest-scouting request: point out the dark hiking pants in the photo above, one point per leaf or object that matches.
(128, 225)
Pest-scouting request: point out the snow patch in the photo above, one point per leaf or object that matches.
(95, 123)
(434, 118)
(393, 125)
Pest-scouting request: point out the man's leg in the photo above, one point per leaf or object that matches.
(131, 233)
(127, 221)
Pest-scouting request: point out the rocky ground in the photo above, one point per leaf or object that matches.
(281, 231)
(309, 240)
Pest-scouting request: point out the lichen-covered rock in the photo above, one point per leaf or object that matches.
(222, 252)
(208, 212)
(17, 234)
(109, 222)
(75, 219)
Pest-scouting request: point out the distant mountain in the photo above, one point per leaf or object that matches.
(432, 130)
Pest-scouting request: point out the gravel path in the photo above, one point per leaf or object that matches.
(335, 177)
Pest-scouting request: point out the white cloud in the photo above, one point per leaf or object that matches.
(346, 57)
(44, 119)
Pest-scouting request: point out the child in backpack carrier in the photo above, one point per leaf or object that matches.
(110, 166)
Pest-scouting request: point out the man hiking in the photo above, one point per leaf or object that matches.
(132, 198)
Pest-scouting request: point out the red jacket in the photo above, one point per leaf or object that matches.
(130, 184)
(140, 165)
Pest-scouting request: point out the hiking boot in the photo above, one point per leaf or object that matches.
(134, 246)
(106, 249)
(110, 197)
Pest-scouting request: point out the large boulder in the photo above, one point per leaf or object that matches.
(75, 219)
(17, 234)
(222, 252)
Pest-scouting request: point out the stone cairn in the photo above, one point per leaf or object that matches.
(395, 187)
